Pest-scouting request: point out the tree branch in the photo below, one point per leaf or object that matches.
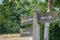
(53, 4)
(50, 4)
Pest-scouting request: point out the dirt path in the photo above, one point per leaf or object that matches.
(17, 38)
(14, 37)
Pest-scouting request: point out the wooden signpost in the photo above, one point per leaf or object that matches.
(38, 18)
(46, 17)
(36, 27)
(27, 21)
(41, 17)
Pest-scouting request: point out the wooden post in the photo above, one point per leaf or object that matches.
(36, 28)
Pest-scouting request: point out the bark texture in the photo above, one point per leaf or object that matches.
(46, 31)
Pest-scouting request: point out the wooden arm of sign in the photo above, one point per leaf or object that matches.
(27, 21)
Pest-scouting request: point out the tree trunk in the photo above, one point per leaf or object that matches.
(46, 31)
(36, 28)
(47, 24)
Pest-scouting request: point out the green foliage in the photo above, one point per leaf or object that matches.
(54, 31)
(57, 3)
(9, 18)
(41, 31)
